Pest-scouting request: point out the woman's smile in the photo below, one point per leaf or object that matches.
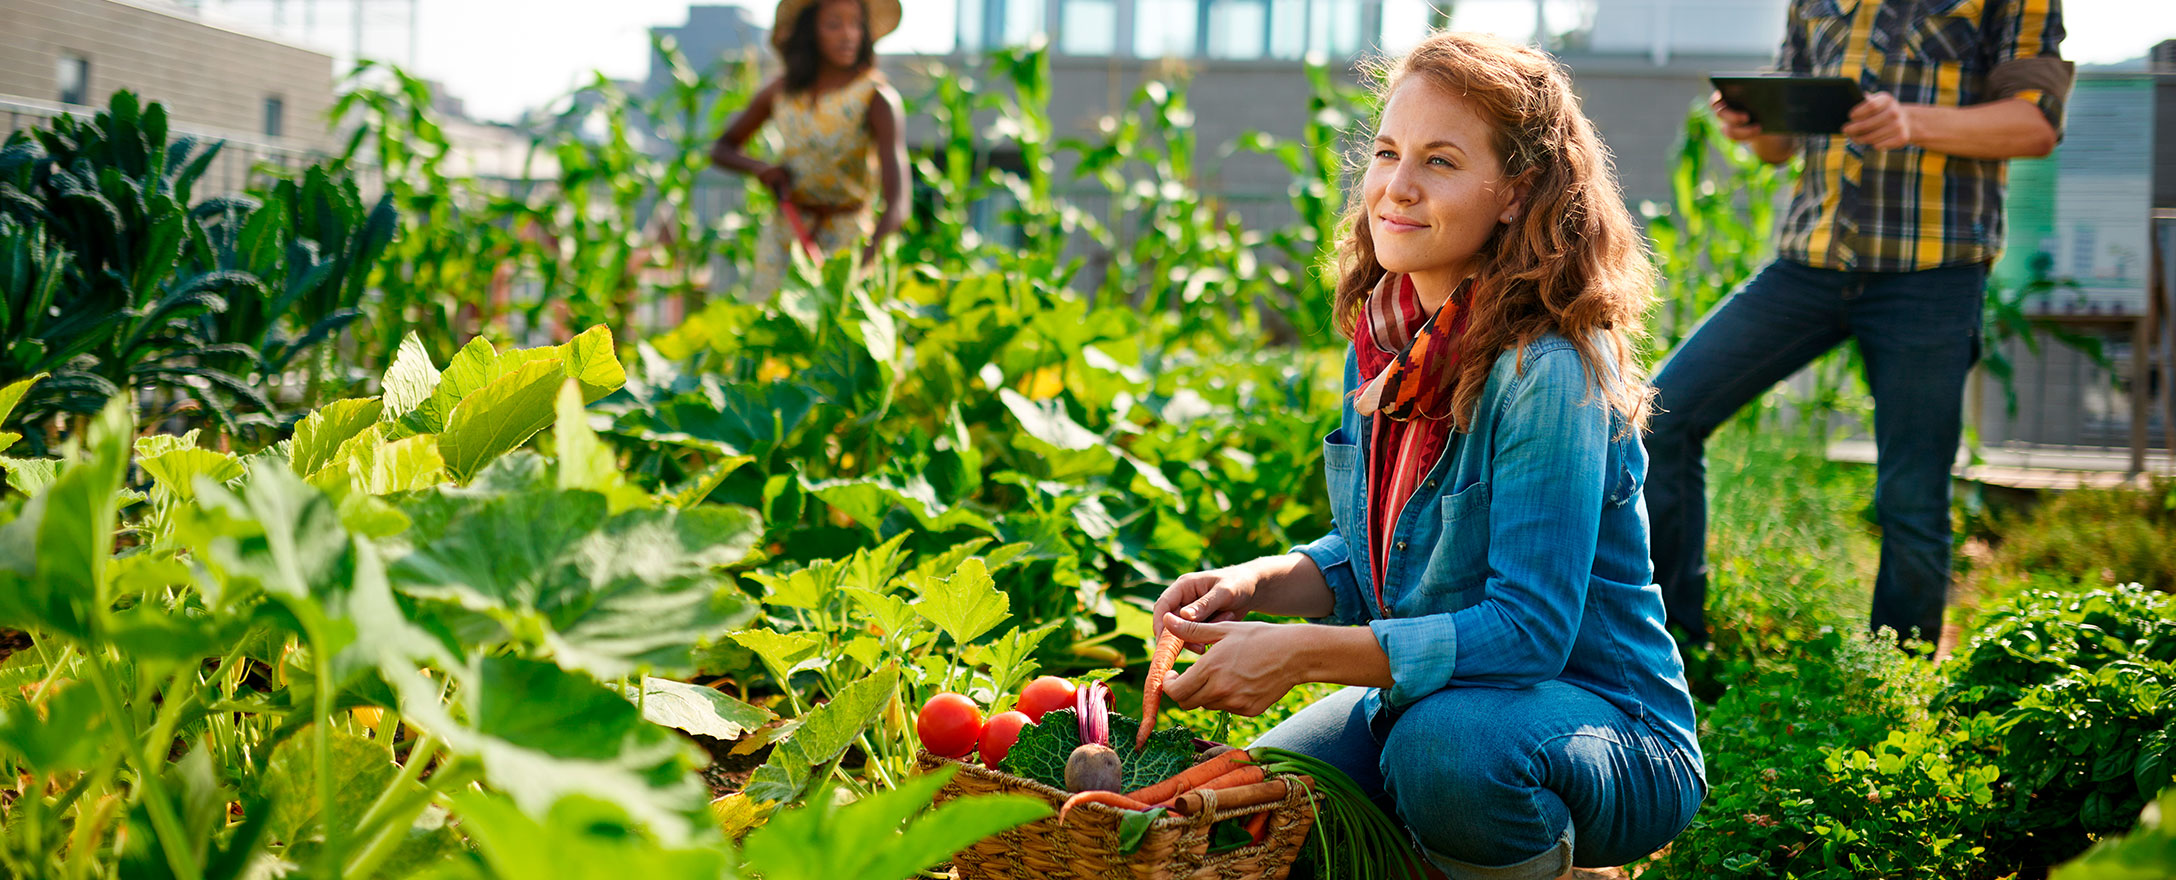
(1396, 223)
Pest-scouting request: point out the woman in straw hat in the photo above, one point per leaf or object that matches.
(841, 134)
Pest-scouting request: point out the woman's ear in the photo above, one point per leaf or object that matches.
(1520, 188)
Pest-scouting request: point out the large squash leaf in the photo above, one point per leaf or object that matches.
(54, 556)
(577, 836)
(411, 380)
(175, 471)
(498, 417)
(319, 435)
(606, 593)
(879, 837)
(543, 734)
(697, 709)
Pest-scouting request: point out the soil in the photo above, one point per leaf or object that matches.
(13, 641)
(728, 772)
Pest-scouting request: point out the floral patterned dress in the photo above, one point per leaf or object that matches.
(824, 141)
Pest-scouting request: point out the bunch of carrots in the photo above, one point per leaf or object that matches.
(1237, 779)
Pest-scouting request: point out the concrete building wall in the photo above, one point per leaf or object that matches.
(210, 79)
(1638, 107)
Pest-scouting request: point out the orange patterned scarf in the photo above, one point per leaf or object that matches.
(1407, 360)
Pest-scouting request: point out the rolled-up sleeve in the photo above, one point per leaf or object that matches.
(1551, 451)
(1332, 556)
(2024, 41)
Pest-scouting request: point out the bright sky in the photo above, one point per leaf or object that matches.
(502, 56)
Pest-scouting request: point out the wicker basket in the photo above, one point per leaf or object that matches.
(1086, 846)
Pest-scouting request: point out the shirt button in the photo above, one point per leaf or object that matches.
(1401, 545)
(1431, 484)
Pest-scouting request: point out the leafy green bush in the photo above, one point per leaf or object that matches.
(1827, 765)
(2147, 853)
(114, 277)
(2077, 689)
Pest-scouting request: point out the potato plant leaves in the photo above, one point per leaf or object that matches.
(965, 605)
(823, 735)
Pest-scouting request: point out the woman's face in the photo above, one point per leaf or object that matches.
(1434, 188)
(838, 32)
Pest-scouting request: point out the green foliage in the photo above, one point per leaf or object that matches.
(2147, 853)
(114, 276)
(880, 837)
(2094, 536)
(576, 837)
(2077, 689)
(1826, 764)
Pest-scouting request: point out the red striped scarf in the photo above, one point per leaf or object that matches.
(1407, 360)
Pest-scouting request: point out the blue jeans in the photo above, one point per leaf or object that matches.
(1508, 783)
(1918, 334)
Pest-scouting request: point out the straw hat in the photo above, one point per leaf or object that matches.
(883, 19)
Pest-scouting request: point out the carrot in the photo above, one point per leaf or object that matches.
(1106, 798)
(1258, 826)
(1234, 797)
(1159, 665)
(1185, 780)
(1239, 777)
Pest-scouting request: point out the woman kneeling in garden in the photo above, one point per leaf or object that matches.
(1516, 700)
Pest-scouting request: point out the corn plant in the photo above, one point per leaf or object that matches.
(451, 269)
(1323, 168)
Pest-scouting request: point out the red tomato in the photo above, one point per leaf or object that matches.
(949, 725)
(999, 735)
(1044, 694)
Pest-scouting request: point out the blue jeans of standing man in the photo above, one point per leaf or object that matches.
(1508, 783)
(1918, 334)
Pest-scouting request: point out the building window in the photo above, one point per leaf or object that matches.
(1288, 29)
(990, 24)
(275, 117)
(1334, 26)
(1238, 28)
(74, 76)
(1088, 27)
(1165, 28)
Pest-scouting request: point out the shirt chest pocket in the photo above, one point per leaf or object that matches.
(1948, 31)
(1458, 568)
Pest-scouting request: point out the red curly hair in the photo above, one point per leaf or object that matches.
(1572, 263)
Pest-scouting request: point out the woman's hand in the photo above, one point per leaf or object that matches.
(1212, 596)
(776, 178)
(1246, 669)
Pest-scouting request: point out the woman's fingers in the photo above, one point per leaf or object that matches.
(1193, 631)
(1208, 604)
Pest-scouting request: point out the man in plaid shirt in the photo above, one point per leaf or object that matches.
(1887, 242)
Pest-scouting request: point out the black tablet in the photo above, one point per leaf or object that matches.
(1782, 103)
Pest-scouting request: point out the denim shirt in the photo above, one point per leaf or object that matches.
(1522, 557)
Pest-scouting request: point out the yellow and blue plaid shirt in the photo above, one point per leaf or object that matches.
(1858, 208)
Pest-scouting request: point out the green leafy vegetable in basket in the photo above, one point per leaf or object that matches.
(1044, 747)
